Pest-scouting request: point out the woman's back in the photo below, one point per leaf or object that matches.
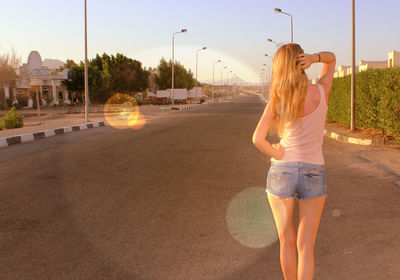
(303, 141)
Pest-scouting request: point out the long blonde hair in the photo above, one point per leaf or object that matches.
(289, 87)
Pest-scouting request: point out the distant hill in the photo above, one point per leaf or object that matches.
(53, 63)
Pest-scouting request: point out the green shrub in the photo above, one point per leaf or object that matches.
(12, 120)
(139, 102)
(377, 103)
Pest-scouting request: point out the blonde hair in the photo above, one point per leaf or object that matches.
(289, 87)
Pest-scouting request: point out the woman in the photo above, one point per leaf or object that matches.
(297, 110)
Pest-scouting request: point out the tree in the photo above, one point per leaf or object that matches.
(108, 75)
(76, 82)
(8, 73)
(182, 78)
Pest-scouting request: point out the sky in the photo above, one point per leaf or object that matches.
(234, 31)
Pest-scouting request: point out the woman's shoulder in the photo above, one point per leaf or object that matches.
(313, 92)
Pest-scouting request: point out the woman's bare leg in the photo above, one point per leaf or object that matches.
(283, 211)
(310, 212)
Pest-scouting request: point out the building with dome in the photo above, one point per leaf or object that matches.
(36, 78)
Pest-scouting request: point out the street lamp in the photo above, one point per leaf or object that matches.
(227, 83)
(276, 43)
(86, 70)
(197, 58)
(291, 20)
(262, 81)
(269, 70)
(212, 86)
(221, 77)
(173, 61)
(267, 78)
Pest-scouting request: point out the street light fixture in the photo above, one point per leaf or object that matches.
(276, 43)
(212, 86)
(276, 10)
(173, 61)
(197, 59)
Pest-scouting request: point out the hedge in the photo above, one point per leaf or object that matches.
(377, 103)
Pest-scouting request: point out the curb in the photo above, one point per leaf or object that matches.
(186, 107)
(183, 107)
(4, 142)
(348, 139)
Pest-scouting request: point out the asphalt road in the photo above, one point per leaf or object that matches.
(183, 198)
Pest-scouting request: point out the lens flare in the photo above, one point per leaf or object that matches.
(122, 111)
(250, 220)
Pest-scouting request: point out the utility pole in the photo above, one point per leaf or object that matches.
(353, 68)
(86, 70)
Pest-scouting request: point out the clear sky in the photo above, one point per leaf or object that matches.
(233, 31)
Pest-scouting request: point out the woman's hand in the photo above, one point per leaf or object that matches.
(305, 60)
(279, 151)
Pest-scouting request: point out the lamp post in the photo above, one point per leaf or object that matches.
(227, 83)
(353, 61)
(197, 59)
(173, 61)
(221, 77)
(291, 20)
(86, 70)
(212, 86)
(269, 70)
(262, 81)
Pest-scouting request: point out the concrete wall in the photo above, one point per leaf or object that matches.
(393, 58)
(192, 92)
(179, 93)
(163, 93)
(365, 65)
(348, 72)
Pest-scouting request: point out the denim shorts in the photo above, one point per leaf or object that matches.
(298, 179)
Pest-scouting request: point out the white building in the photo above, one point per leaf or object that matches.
(342, 70)
(179, 93)
(34, 78)
(393, 58)
(365, 65)
(196, 94)
(349, 70)
(163, 93)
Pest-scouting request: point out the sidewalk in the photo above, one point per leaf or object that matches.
(360, 137)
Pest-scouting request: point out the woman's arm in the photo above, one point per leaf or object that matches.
(329, 61)
(261, 132)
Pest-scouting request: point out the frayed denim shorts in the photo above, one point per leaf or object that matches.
(296, 179)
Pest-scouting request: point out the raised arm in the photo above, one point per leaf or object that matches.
(329, 61)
